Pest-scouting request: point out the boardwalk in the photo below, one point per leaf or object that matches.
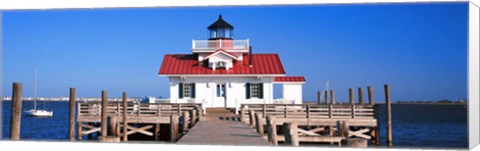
(223, 129)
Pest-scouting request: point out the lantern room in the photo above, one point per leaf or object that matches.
(220, 29)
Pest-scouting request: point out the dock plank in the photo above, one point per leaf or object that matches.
(223, 129)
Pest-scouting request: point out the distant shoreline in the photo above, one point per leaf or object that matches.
(79, 100)
(456, 103)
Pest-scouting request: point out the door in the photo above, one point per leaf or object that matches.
(220, 95)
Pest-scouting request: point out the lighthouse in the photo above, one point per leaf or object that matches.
(222, 72)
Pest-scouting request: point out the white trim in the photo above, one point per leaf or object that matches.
(213, 50)
(220, 51)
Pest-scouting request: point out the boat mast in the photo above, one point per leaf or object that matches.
(35, 90)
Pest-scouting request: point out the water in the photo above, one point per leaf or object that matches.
(420, 126)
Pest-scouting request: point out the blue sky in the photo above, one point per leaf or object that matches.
(419, 49)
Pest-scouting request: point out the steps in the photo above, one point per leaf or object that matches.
(219, 110)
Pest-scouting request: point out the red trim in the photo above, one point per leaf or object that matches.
(290, 79)
(182, 64)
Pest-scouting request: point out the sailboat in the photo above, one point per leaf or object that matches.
(34, 112)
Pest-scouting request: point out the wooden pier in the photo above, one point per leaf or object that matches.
(349, 124)
(313, 123)
(223, 129)
(143, 118)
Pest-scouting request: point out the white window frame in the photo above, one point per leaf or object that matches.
(187, 90)
(254, 90)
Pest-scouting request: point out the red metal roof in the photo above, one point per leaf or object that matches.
(221, 51)
(188, 64)
(290, 79)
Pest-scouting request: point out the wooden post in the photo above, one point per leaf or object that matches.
(16, 116)
(370, 95)
(156, 133)
(352, 107)
(174, 127)
(342, 129)
(193, 120)
(264, 113)
(104, 113)
(251, 117)
(186, 118)
(308, 111)
(259, 124)
(80, 129)
(71, 123)
(242, 113)
(360, 96)
(272, 130)
(200, 113)
(377, 128)
(118, 109)
(326, 97)
(319, 97)
(291, 133)
(332, 97)
(351, 96)
(112, 126)
(179, 108)
(389, 115)
(125, 119)
(330, 114)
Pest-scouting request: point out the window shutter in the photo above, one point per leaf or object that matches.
(193, 90)
(260, 90)
(180, 90)
(247, 86)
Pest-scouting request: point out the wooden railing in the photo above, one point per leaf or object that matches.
(137, 109)
(312, 123)
(331, 111)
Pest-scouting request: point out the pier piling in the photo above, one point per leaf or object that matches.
(360, 96)
(389, 115)
(326, 96)
(272, 130)
(174, 127)
(104, 113)
(72, 115)
(351, 96)
(112, 126)
(186, 117)
(259, 124)
(251, 118)
(332, 97)
(16, 111)
(125, 120)
(291, 133)
(319, 97)
(370, 95)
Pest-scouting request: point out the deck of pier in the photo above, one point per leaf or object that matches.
(223, 129)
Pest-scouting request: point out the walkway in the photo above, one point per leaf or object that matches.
(222, 129)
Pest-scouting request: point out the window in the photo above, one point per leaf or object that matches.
(186, 90)
(254, 90)
(221, 33)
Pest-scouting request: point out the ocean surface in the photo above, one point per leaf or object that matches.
(414, 125)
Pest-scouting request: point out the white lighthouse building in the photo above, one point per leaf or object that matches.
(224, 73)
